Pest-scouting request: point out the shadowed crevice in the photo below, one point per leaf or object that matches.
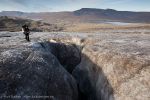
(91, 80)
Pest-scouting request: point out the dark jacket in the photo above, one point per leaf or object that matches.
(25, 29)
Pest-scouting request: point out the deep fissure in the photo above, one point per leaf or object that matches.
(70, 57)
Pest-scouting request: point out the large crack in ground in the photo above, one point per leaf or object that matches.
(39, 69)
(86, 72)
(108, 62)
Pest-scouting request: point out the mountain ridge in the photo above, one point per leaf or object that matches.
(73, 10)
(83, 15)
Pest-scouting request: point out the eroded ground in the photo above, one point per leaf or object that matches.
(115, 64)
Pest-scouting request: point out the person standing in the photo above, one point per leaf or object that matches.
(26, 32)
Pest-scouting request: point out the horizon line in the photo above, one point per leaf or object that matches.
(67, 10)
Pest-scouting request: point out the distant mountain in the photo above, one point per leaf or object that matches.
(84, 15)
(114, 15)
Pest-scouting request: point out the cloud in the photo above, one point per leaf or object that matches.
(68, 5)
(14, 2)
(24, 5)
(84, 1)
(11, 5)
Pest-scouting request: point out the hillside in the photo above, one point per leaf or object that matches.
(15, 24)
(84, 15)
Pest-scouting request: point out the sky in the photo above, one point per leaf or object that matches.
(71, 5)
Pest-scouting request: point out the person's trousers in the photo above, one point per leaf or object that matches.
(27, 37)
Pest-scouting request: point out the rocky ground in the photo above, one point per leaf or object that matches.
(109, 65)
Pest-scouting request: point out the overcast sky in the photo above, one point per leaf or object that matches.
(70, 5)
